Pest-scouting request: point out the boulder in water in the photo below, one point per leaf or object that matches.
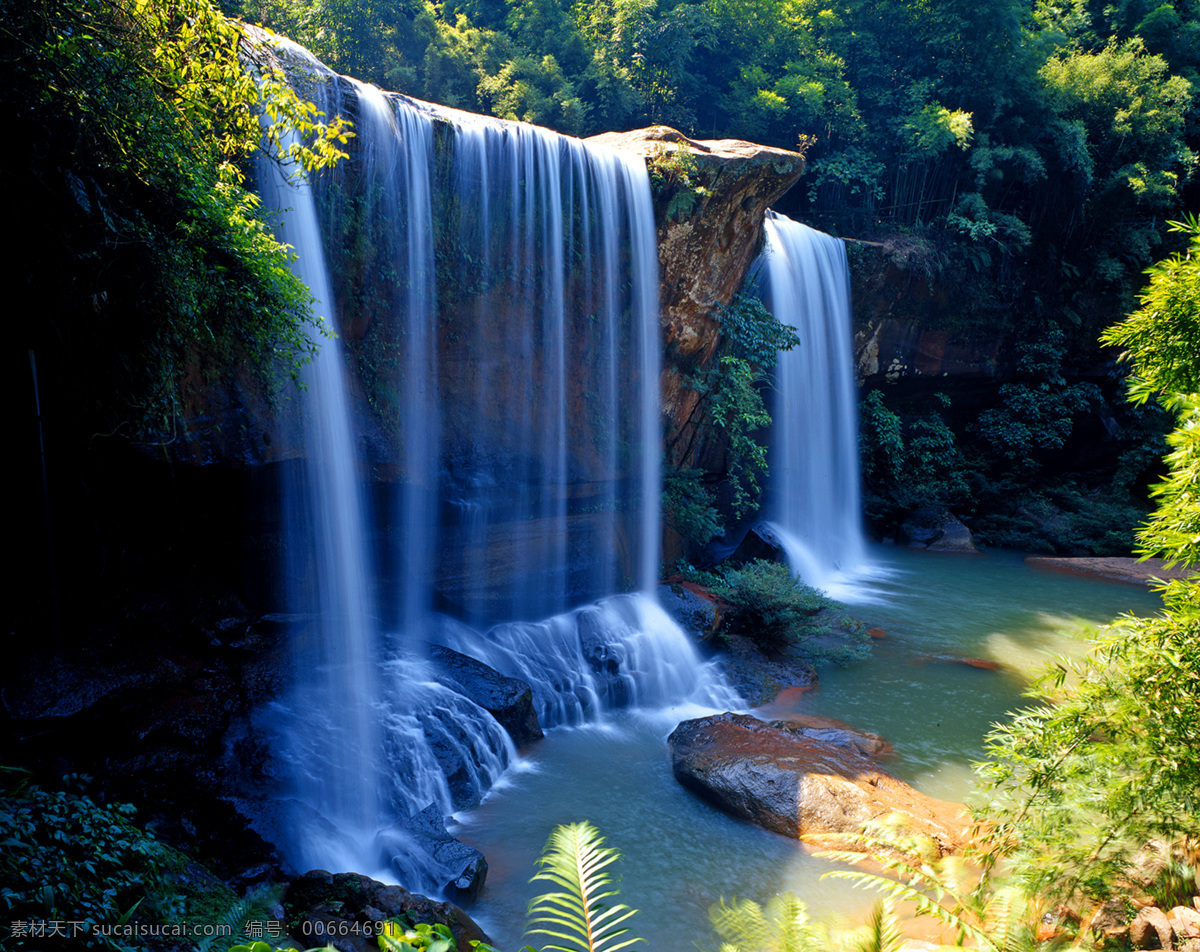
(422, 843)
(806, 784)
(508, 700)
(936, 530)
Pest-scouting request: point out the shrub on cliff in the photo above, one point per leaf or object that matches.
(133, 123)
(769, 605)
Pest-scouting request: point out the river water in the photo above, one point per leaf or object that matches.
(681, 855)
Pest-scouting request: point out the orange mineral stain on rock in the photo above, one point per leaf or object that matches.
(789, 696)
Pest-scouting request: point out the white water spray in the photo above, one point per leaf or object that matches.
(816, 509)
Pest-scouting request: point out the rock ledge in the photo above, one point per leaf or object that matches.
(794, 781)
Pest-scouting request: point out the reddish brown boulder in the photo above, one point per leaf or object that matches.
(983, 664)
(795, 782)
(1117, 569)
(1150, 929)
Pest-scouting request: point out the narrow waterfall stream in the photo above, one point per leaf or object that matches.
(814, 483)
(326, 522)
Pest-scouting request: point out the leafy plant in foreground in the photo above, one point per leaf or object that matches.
(66, 858)
(989, 913)
(1108, 758)
(576, 912)
(783, 926)
(423, 937)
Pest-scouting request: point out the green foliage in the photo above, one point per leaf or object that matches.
(1160, 337)
(909, 464)
(232, 916)
(1174, 529)
(1036, 414)
(687, 506)
(137, 119)
(673, 177)
(774, 609)
(783, 926)
(578, 912)
(1162, 340)
(423, 937)
(753, 333)
(986, 912)
(732, 401)
(1133, 110)
(736, 406)
(401, 936)
(69, 859)
(1021, 141)
(1108, 757)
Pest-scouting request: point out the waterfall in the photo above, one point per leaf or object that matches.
(814, 487)
(550, 475)
(481, 438)
(329, 572)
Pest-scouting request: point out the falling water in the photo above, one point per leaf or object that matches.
(330, 575)
(493, 292)
(547, 376)
(398, 153)
(814, 469)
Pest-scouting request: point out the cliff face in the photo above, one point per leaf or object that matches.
(909, 327)
(211, 480)
(230, 417)
(703, 254)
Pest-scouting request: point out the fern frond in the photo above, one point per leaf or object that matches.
(882, 931)
(578, 913)
(783, 927)
(741, 924)
(926, 904)
(232, 921)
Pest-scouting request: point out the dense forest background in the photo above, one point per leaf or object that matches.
(1023, 161)
(1030, 145)
(1018, 161)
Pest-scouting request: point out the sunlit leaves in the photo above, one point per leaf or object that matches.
(1132, 107)
(579, 914)
(140, 120)
(1162, 338)
(1109, 756)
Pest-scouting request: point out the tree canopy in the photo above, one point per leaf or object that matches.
(132, 127)
(1058, 134)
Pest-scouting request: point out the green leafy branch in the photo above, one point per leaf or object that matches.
(578, 912)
